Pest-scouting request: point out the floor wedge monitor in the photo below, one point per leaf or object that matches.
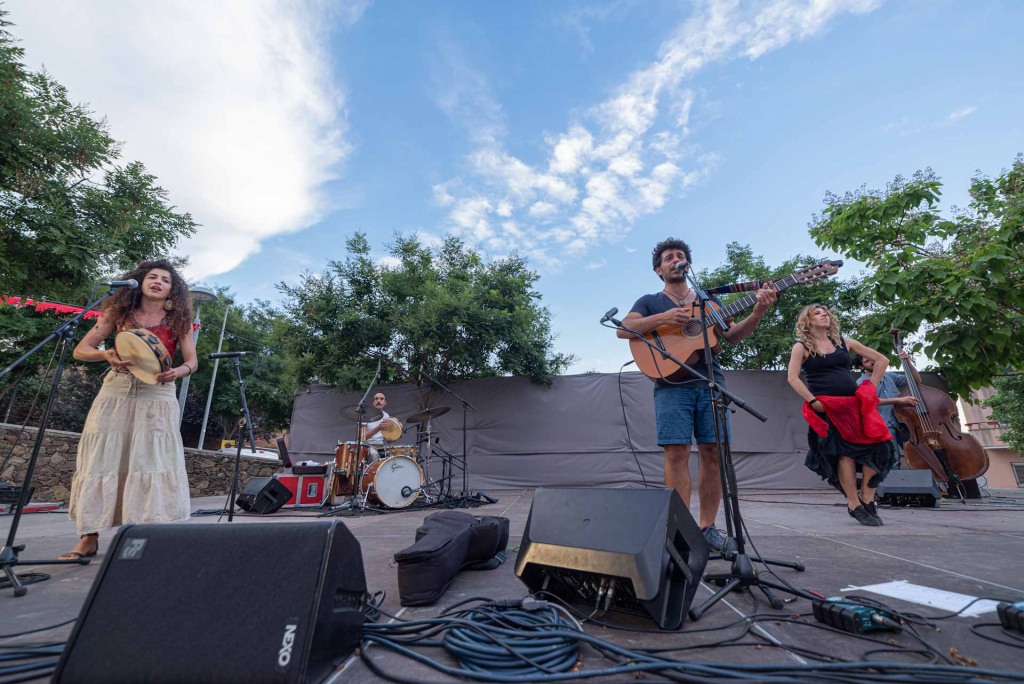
(273, 602)
(632, 550)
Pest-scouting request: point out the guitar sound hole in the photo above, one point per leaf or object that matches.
(692, 328)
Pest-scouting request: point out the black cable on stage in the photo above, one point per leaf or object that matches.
(41, 629)
(1018, 642)
(625, 421)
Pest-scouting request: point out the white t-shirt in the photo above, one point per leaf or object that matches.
(377, 439)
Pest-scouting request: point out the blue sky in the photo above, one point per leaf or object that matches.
(578, 133)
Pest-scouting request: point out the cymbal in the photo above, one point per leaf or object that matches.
(428, 414)
(370, 414)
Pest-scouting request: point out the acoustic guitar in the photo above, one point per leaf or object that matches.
(686, 341)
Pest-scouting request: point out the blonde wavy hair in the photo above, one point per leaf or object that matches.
(803, 327)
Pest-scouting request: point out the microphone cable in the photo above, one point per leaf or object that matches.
(625, 421)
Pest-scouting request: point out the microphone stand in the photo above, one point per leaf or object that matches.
(464, 497)
(360, 424)
(742, 574)
(243, 421)
(63, 333)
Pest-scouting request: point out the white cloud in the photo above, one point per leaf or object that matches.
(594, 265)
(389, 262)
(962, 112)
(231, 104)
(461, 91)
(625, 157)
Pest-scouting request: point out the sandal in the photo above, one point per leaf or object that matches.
(76, 556)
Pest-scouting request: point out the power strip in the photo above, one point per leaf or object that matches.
(854, 618)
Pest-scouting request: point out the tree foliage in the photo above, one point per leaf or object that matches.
(769, 346)
(269, 382)
(69, 215)
(448, 312)
(1007, 406)
(959, 279)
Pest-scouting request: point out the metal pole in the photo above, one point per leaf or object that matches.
(213, 378)
(183, 392)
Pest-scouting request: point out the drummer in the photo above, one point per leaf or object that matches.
(374, 437)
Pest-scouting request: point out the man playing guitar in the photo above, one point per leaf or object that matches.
(683, 410)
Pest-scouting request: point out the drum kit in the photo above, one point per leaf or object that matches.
(396, 475)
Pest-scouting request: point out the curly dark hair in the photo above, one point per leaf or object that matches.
(857, 361)
(664, 245)
(120, 308)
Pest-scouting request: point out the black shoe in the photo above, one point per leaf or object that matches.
(861, 515)
(873, 510)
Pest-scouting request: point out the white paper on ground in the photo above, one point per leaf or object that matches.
(927, 596)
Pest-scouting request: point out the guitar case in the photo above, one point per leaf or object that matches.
(446, 543)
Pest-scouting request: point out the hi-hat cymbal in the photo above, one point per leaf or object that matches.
(428, 414)
(370, 414)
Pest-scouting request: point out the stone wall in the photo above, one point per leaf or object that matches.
(209, 473)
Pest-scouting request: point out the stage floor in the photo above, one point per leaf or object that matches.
(975, 550)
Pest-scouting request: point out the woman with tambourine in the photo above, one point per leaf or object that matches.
(131, 464)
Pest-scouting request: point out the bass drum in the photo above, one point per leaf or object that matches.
(392, 482)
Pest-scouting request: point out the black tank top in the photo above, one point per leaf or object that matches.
(830, 375)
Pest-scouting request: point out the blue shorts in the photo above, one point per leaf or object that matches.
(684, 415)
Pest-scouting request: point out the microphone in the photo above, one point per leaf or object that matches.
(608, 316)
(681, 266)
(121, 283)
(230, 355)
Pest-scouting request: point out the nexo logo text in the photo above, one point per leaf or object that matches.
(284, 656)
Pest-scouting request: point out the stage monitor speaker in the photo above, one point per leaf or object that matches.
(263, 495)
(633, 550)
(273, 602)
(909, 488)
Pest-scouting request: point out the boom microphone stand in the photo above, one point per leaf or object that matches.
(63, 333)
(742, 574)
(243, 421)
(464, 497)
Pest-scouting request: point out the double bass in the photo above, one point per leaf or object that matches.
(935, 440)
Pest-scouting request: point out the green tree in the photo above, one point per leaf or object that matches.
(448, 312)
(769, 346)
(1007, 406)
(269, 382)
(69, 215)
(958, 279)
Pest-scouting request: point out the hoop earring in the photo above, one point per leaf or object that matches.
(168, 305)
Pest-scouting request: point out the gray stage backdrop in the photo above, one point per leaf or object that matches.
(573, 432)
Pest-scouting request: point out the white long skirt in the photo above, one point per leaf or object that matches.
(131, 463)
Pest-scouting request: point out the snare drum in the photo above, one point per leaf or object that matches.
(347, 459)
(393, 482)
(409, 450)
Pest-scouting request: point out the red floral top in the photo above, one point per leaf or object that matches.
(161, 330)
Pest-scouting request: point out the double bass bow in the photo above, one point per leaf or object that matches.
(935, 440)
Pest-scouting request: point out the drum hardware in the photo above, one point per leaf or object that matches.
(427, 414)
(464, 495)
(370, 414)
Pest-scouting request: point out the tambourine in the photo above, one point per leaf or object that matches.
(390, 428)
(147, 353)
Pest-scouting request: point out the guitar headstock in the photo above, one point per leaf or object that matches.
(818, 271)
